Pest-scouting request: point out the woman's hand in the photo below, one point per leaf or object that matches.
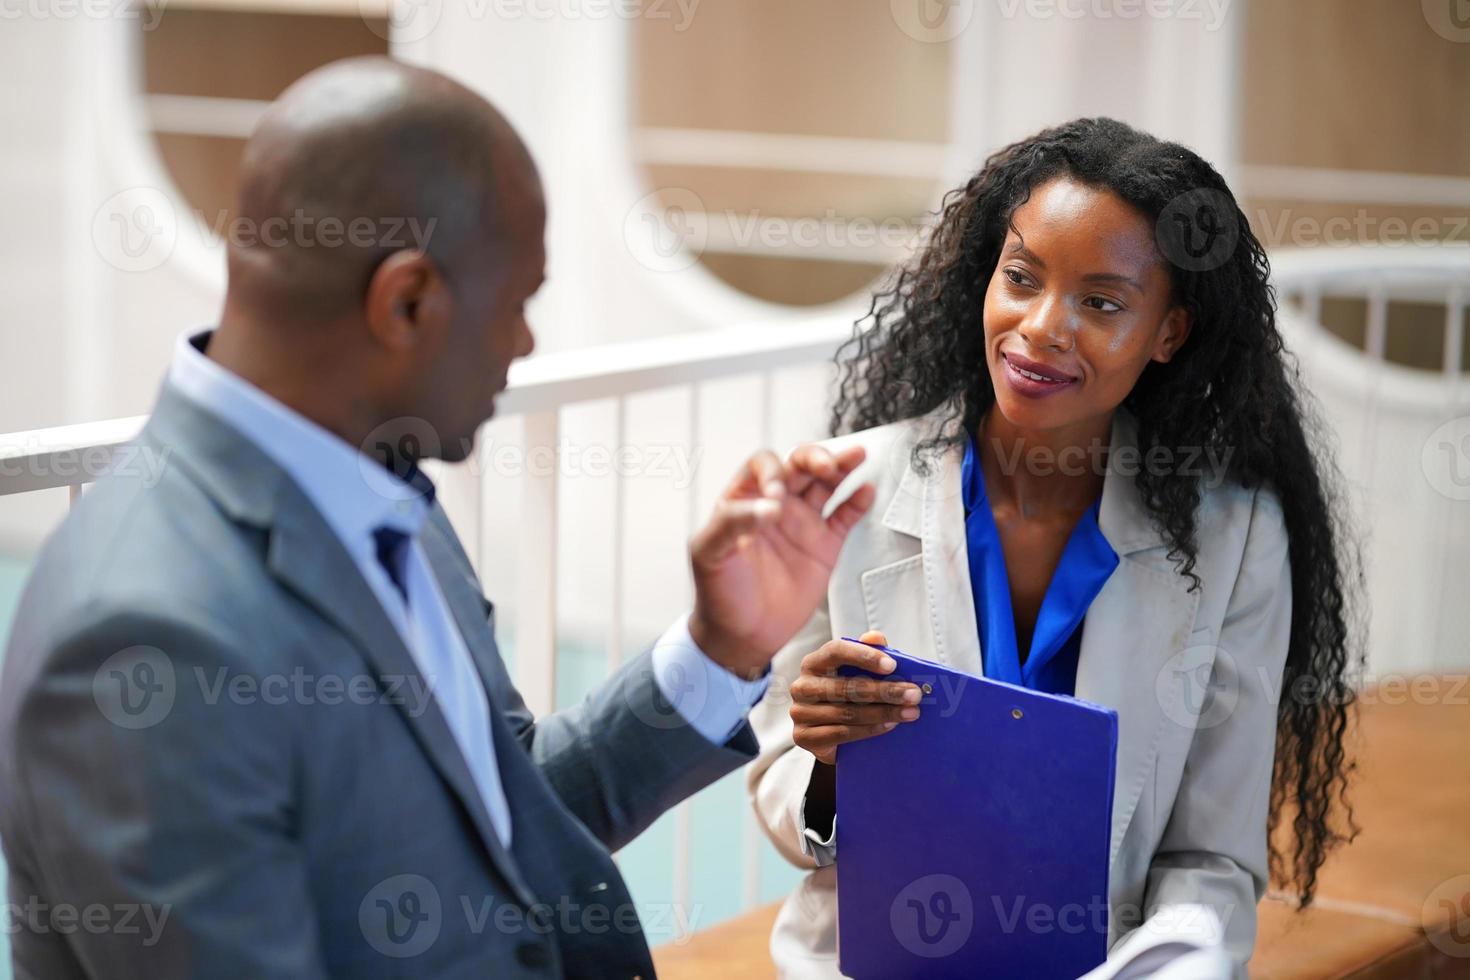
(829, 710)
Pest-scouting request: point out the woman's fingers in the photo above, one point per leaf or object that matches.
(822, 741)
(828, 710)
(842, 653)
(862, 715)
(812, 689)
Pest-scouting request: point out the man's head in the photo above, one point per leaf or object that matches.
(397, 233)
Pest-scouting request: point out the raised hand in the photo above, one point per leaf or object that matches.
(762, 562)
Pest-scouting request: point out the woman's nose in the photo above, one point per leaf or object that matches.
(1048, 323)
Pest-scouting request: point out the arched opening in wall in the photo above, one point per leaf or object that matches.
(210, 67)
(798, 144)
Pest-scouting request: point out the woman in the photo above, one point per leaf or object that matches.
(1096, 475)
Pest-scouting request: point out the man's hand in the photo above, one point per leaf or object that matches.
(762, 563)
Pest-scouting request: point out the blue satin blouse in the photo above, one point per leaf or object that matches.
(1087, 562)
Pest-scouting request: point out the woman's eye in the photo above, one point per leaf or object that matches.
(1108, 306)
(1014, 277)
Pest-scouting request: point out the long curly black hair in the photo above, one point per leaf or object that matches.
(921, 348)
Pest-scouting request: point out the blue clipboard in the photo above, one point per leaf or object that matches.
(974, 842)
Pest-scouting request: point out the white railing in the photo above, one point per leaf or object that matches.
(540, 389)
(1403, 435)
(73, 456)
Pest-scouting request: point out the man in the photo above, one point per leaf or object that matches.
(254, 720)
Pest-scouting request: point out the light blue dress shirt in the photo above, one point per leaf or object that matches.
(356, 495)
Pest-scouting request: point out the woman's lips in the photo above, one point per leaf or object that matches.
(1018, 375)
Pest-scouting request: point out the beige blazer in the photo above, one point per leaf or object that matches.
(1194, 677)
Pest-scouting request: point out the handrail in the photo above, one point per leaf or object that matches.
(64, 456)
(1379, 275)
(68, 456)
(72, 455)
(1410, 273)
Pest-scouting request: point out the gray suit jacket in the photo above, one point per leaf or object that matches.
(218, 759)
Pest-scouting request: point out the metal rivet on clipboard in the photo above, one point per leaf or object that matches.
(1016, 713)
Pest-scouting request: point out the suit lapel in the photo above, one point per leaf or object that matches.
(465, 603)
(1137, 622)
(305, 555)
(927, 506)
(1140, 619)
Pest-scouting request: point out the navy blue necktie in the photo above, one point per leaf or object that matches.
(392, 548)
(392, 544)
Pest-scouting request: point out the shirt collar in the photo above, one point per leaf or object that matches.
(354, 492)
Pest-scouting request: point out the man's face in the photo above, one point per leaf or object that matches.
(488, 328)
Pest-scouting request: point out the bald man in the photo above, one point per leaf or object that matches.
(253, 717)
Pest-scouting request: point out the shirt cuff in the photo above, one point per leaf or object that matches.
(713, 700)
(824, 852)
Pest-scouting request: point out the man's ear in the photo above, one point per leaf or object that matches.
(407, 298)
(1177, 324)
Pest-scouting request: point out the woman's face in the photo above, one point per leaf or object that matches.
(1080, 293)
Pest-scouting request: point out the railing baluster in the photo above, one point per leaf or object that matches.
(1454, 334)
(1376, 341)
(616, 591)
(1375, 345)
(615, 613)
(1449, 508)
(1312, 301)
(536, 585)
(684, 814)
(750, 832)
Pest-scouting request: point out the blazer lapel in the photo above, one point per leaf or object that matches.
(1140, 619)
(465, 603)
(929, 506)
(305, 555)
